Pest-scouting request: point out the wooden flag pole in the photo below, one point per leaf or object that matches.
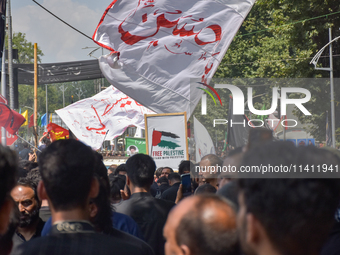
(35, 93)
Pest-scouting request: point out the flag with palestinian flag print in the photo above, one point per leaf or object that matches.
(166, 140)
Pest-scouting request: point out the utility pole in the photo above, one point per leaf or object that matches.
(332, 86)
(330, 70)
(62, 88)
(10, 56)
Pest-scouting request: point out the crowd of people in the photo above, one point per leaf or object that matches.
(70, 203)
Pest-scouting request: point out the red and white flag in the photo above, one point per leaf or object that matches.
(110, 111)
(160, 47)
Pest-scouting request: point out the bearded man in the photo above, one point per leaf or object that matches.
(30, 226)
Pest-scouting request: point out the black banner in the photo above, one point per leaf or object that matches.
(59, 72)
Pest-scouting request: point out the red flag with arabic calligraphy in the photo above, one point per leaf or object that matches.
(57, 132)
(161, 49)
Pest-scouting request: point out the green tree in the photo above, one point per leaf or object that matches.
(25, 48)
(272, 44)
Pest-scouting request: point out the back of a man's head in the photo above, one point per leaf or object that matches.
(213, 159)
(8, 169)
(206, 224)
(205, 188)
(174, 177)
(140, 170)
(158, 172)
(296, 214)
(67, 169)
(184, 167)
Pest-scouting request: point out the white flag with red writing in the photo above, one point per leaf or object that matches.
(160, 47)
(108, 113)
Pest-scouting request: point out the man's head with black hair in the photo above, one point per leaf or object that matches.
(67, 171)
(46, 141)
(233, 160)
(101, 172)
(121, 169)
(158, 172)
(209, 166)
(205, 188)
(117, 183)
(111, 169)
(201, 225)
(26, 198)
(140, 170)
(163, 181)
(6, 240)
(8, 170)
(184, 167)
(288, 216)
(27, 165)
(174, 178)
(166, 171)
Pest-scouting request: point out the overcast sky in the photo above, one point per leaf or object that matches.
(58, 42)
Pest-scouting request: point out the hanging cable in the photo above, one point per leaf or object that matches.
(63, 21)
(292, 23)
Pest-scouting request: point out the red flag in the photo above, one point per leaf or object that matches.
(156, 137)
(57, 132)
(10, 119)
(31, 124)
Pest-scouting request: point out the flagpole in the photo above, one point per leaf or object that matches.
(104, 138)
(35, 93)
(151, 143)
(28, 142)
(3, 92)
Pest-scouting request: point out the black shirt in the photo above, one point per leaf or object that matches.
(79, 237)
(19, 238)
(171, 193)
(150, 214)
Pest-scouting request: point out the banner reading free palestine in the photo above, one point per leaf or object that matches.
(166, 138)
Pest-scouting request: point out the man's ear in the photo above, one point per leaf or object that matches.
(5, 212)
(94, 188)
(93, 210)
(254, 230)
(42, 191)
(128, 181)
(185, 250)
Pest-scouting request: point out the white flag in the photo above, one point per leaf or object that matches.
(138, 133)
(161, 46)
(110, 111)
(204, 144)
